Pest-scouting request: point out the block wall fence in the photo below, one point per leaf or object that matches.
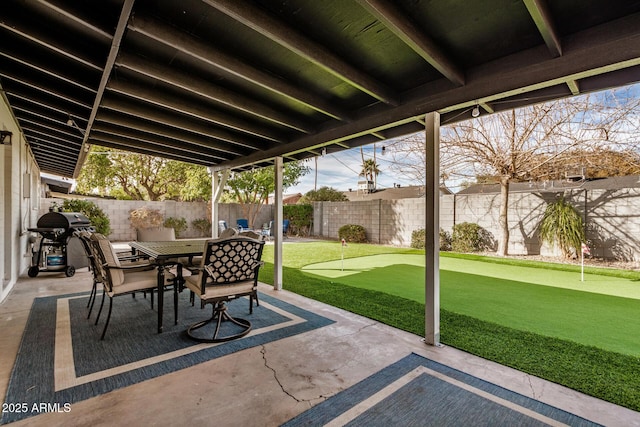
(122, 230)
(612, 218)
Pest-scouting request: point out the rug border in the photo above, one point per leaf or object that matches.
(60, 400)
(336, 405)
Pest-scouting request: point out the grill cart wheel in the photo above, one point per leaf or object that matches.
(33, 271)
(70, 271)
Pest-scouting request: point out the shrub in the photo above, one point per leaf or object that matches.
(445, 240)
(418, 239)
(352, 233)
(97, 216)
(467, 237)
(145, 217)
(562, 224)
(203, 225)
(178, 224)
(300, 218)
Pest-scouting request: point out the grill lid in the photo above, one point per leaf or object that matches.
(66, 220)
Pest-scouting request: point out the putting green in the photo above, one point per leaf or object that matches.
(602, 311)
(350, 272)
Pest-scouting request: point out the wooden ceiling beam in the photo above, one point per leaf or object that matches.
(125, 14)
(265, 24)
(205, 145)
(590, 53)
(406, 30)
(239, 144)
(192, 109)
(118, 130)
(208, 54)
(541, 15)
(210, 92)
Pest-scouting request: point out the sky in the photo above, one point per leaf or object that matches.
(340, 171)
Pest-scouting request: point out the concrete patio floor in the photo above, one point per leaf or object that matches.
(269, 384)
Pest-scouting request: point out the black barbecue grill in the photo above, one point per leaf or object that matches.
(56, 230)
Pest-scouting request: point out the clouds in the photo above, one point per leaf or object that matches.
(340, 171)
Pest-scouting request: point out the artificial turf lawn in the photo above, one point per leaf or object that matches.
(601, 311)
(607, 375)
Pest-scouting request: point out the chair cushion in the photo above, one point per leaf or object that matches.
(159, 234)
(218, 291)
(111, 258)
(138, 281)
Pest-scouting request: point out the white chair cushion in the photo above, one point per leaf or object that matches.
(217, 291)
(139, 280)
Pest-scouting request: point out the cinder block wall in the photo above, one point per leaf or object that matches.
(122, 231)
(612, 218)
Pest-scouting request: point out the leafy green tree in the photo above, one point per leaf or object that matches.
(133, 176)
(252, 188)
(324, 194)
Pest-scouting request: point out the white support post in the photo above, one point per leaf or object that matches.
(217, 185)
(432, 230)
(277, 225)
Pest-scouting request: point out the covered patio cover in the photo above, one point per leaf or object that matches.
(233, 84)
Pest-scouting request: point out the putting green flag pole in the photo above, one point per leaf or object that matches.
(344, 243)
(585, 250)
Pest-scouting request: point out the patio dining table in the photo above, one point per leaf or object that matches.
(166, 253)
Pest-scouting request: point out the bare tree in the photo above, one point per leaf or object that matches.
(523, 144)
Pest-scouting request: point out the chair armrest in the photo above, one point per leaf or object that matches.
(257, 265)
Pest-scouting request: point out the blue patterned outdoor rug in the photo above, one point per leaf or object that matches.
(62, 360)
(416, 391)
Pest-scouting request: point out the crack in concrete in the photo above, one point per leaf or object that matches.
(533, 391)
(362, 328)
(263, 351)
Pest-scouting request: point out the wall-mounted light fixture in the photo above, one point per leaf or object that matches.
(324, 151)
(383, 150)
(476, 111)
(5, 137)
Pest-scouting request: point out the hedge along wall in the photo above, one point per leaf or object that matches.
(612, 218)
(123, 231)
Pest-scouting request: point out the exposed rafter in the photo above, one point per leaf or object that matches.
(277, 31)
(235, 84)
(239, 146)
(209, 55)
(47, 44)
(125, 14)
(197, 144)
(204, 89)
(539, 12)
(501, 79)
(199, 111)
(574, 87)
(401, 25)
(82, 22)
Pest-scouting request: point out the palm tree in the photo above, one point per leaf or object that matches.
(370, 169)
